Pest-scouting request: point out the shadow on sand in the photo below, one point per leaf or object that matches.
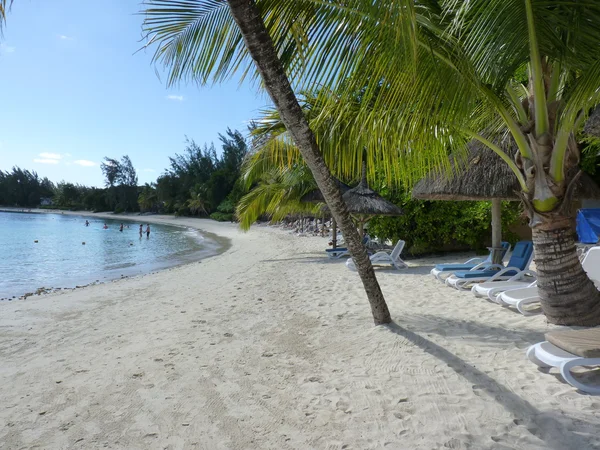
(545, 425)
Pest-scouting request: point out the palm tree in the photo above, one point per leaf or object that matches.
(471, 70)
(191, 34)
(198, 201)
(433, 75)
(275, 191)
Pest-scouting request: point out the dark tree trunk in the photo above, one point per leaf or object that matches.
(567, 294)
(261, 48)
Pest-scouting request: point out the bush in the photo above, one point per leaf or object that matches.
(443, 225)
(226, 206)
(222, 217)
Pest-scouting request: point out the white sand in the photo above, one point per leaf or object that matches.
(271, 346)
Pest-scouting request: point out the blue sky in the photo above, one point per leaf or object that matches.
(73, 90)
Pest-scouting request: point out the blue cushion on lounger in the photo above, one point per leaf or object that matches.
(454, 267)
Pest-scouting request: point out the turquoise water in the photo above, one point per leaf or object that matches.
(60, 260)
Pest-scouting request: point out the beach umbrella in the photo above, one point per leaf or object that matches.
(363, 202)
(484, 176)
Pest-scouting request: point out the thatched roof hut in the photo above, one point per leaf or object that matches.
(484, 176)
(365, 201)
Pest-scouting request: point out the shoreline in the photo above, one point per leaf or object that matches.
(214, 246)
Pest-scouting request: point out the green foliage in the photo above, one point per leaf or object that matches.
(121, 182)
(222, 217)
(590, 156)
(433, 226)
(23, 188)
(226, 206)
(198, 181)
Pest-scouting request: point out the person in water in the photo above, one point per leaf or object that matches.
(141, 229)
(105, 227)
(121, 228)
(148, 230)
(87, 223)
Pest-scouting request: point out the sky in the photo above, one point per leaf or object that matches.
(74, 89)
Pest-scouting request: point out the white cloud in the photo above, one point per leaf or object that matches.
(45, 161)
(63, 37)
(67, 154)
(148, 170)
(46, 155)
(85, 163)
(7, 49)
(178, 98)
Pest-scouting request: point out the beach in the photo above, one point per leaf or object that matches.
(271, 345)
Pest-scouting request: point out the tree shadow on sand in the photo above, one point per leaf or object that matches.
(546, 425)
(473, 330)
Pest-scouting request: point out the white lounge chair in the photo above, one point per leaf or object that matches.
(443, 271)
(392, 258)
(567, 349)
(522, 299)
(519, 262)
(492, 288)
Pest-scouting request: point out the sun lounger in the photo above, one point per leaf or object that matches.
(492, 288)
(443, 271)
(567, 349)
(392, 258)
(519, 262)
(522, 299)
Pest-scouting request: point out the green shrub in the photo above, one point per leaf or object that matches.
(226, 206)
(222, 217)
(429, 226)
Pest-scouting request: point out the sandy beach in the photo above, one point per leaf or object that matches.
(270, 345)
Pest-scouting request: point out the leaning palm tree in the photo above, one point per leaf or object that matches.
(433, 75)
(191, 35)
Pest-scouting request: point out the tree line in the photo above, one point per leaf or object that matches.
(197, 182)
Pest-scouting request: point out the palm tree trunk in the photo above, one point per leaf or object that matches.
(567, 294)
(260, 46)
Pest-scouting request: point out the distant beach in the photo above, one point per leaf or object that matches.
(270, 345)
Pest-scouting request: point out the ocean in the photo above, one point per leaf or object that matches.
(58, 251)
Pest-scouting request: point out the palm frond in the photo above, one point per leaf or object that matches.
(4, 8)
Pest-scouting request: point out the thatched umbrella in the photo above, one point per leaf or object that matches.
(364, 203)
(485, 177)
